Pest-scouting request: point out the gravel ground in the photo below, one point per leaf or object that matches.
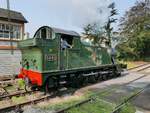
(32, 109)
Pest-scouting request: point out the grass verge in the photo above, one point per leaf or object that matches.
(98, 105)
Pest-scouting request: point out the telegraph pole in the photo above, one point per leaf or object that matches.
(9, 20)
(10, 37)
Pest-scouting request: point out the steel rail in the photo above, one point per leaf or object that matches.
(20, 105)
(138, 66)
(143, 68)
(15, 94)
(119, 107)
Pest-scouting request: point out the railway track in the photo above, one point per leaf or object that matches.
(6, 77)
(143, 68)
(6, 84)
(139, 68)
(43, 98)
(118, 107)
(136, 69)
(121, 105)
(15, 94)
(17, 107)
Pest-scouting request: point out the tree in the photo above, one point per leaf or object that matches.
(111, 20)
(94, 33)
(135, 28)
(98, 34)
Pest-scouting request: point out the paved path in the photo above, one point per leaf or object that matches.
(122, 91)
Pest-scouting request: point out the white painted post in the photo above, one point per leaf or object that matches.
(9, 20)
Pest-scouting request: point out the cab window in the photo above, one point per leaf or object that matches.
(44, 33)
(66, 41)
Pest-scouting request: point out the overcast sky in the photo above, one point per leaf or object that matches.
(66, 14)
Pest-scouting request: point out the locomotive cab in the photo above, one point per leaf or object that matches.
(44, 52)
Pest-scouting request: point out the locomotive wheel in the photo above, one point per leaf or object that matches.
(85, 81)
(103, 77)
(50, 85)
(118, 74)
(115, 74)
(80, 80)
(77, 81)
(92, 79)
(96, 77)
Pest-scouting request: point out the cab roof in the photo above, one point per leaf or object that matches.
(60, 31)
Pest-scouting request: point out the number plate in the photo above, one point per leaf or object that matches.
(50, 57)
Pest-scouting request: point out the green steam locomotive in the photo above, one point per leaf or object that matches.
(57, 57)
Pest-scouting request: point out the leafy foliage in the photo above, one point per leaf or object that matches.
(94, 33)
(135, 27)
